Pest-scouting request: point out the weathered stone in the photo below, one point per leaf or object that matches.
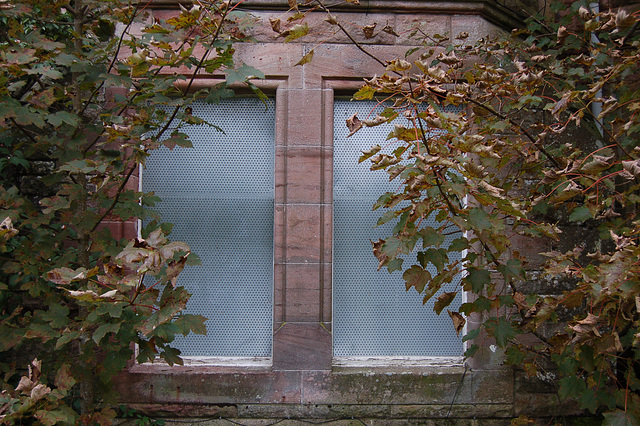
(184, 410)
(302, 346)
(539, 283)
(41, 167)
(380, 386)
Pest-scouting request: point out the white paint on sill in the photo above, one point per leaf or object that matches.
(398, 361)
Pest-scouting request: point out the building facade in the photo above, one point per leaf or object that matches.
(282, 323)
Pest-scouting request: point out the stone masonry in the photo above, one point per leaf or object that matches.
(302, 381)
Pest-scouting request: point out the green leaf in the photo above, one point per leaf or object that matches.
(393, 246)
(471, 351)
(589, 400)
(243, 73)
(171, 356)
(513, 269)
(218, 92)
(365, 92)
(395, 265)
(66, 338)
(386, 217)
(431, 237)
(478, 279)
(61, 415)
(479, 219)
(502, 330)
(60, 117)
(57, 315)
(459, 244)
(383, 200)
(438, 257)
(191, 323)
(619, 418)
(471, 335)
(103, 329)
(571, 387)
(580, 214)
(297, 31)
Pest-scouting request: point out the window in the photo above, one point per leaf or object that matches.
(373, 314)
(220, 198)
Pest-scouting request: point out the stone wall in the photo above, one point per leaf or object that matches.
(302, 381)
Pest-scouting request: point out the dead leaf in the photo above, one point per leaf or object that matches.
(275, 24)
(389, 30)
(375, 122)
(377, 252)
(39, 392)
(25, 385)
(174, 269)
(353, 124)
(458, 321)
(368, 30)
(520, 301)
(632, 167)
(331, 19)
(451, 59)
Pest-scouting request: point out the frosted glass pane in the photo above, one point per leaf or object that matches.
(219, 196)
(373, 314)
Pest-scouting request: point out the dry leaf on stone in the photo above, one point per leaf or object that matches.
(368, 30)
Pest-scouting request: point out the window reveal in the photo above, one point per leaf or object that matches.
(220, 198)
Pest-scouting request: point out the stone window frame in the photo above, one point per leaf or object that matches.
(278, 88)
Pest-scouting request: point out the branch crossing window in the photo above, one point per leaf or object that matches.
(373, 314)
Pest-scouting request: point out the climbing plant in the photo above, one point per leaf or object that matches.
(545, 153)
(88, 89)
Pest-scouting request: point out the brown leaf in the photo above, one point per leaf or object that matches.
(597, 164)
(458, 321)
(293, 4)
(39, 392)
(331, 19)
(174, 269)
(296, 17)
(451, 59)
(353, 124)
(520, 301)
(368, 30)
(377, 252)
(389, 30)
(6, 229)
(562, 34)
(375, 122)
(64, 378)
(561, 105)
(25, 385)
(275, 24)
(632, 167)
(443, 301)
